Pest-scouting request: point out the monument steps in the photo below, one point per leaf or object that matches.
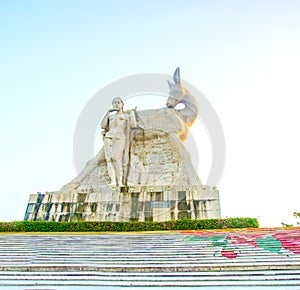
(192, 279)
(258, 259)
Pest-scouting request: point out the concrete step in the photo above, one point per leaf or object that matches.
(260, 258)
(192, 279)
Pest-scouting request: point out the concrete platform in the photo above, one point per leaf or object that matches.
(231, 259)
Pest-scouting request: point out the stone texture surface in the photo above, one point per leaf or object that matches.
(134, 203)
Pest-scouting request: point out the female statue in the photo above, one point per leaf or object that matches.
(116, 132)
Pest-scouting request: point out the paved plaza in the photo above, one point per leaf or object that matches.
(233, 259)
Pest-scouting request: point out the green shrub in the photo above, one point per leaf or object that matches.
(184, 224)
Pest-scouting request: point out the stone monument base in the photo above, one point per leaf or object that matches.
(136, 203)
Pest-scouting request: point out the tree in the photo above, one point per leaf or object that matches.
(297, 215)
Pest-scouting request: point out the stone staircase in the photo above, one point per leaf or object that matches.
(231, 259)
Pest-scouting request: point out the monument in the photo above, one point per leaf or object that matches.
(142, 173)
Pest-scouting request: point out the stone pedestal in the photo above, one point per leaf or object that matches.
(134, 203)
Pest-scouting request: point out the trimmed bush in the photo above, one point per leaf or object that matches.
(83, 226)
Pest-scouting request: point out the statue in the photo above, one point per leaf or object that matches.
(142, 173)
(131, 160)
(116, 135)
(126, 164)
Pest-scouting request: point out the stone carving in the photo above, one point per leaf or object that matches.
(143, 172)
(179, 94)
(116, 133)
(150, 135)
(179, 119)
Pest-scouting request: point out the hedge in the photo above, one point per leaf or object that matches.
(96, 226)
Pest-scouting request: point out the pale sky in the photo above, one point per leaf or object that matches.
(244, 56)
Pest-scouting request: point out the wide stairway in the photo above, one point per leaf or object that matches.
(229, 259)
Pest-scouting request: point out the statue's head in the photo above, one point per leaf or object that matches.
(177, 92)
(117, 103)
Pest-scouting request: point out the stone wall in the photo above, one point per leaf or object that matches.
(136, 203)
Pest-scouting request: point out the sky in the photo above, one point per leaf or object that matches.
(242, 55)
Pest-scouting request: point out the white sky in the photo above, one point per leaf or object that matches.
(243, 56)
